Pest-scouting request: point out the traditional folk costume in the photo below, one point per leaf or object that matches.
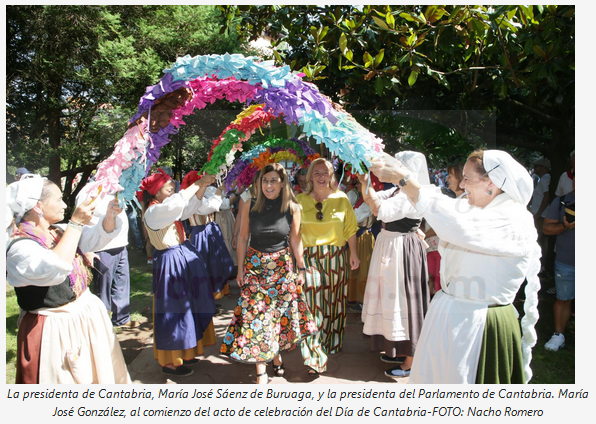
(397, 296)
(471, 333)
(366, 243)
(183, 297)
(271, 314)
(206, 237)
(65, 333)
(327, 265)
(225, 220)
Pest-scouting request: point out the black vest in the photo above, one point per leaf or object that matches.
(405, 225)
(30, 298)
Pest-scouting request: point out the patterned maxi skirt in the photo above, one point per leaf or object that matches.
(326, 291)
(271, 314)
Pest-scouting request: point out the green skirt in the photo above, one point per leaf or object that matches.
(501, 360)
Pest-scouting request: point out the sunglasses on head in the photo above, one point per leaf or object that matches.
(319, 207)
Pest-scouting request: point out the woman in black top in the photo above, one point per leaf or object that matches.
(271, 314)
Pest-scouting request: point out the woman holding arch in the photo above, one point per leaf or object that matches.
(488, 244)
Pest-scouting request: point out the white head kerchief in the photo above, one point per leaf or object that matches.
(509, 175)
(22, 196)
(415, 162)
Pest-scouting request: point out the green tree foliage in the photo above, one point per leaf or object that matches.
(75, 75)
(506, 74)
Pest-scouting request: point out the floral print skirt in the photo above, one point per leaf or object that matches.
(271, 314)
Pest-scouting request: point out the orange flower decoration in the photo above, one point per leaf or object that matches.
(263, 159)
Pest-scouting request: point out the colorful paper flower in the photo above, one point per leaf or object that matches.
(272, 92)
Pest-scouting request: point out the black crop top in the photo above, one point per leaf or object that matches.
(270, 228)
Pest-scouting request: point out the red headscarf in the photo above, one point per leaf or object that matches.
(153, 183)
(377, 185)
(190, 179)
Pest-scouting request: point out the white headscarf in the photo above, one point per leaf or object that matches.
(509, 175)
(22, 196)
(415, 162)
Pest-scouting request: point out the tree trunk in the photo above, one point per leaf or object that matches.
(54, 135)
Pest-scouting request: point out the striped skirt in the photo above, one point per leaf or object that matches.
(326, 291)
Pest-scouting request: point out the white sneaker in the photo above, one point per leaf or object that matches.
(556, 342)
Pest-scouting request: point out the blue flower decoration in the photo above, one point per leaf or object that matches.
(228, 338)
(256, 325)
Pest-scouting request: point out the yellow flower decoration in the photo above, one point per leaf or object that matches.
(286, 156)
(246, 113)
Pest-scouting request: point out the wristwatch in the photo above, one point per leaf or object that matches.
(301, 269)
(404, 180)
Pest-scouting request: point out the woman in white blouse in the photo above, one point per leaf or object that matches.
(183, 298)
(65, 334)
(396, 297)
(488, 245)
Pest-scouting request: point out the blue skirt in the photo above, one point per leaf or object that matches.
(184, 303)
(210, 244)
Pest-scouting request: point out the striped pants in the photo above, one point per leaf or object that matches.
(326, 291)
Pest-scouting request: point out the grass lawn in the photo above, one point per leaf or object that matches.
(548, 367)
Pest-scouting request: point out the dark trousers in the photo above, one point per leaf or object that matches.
(111, 283)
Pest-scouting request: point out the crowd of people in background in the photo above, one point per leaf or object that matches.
(424, 255)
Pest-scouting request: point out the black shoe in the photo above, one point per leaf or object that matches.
(180, 371)
(192, 361)
(356, 307)
(390, 360)
(279, 370)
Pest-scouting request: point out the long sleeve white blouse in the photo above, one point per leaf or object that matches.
(487, 253)
(176, 208)
(30, 264)
(396, 207)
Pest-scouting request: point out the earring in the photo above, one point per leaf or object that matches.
(489, 193)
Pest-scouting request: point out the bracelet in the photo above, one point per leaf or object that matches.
(75, 225)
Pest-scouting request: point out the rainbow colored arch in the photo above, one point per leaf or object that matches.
(270, 92)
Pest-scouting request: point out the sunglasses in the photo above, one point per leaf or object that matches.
(319, 207)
